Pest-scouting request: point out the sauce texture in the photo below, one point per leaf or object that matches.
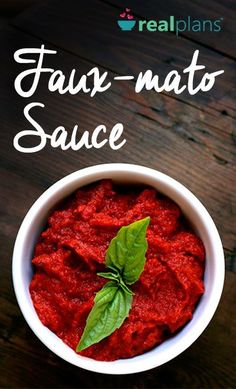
(71, 250)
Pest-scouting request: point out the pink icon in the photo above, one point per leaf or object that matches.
(126, 14)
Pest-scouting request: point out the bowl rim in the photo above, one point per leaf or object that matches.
(138, 363)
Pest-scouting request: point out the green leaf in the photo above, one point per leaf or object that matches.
(109, 275)
(125, 258)
(111, 307)
(126, 252)
(116, 277)
(125, 288)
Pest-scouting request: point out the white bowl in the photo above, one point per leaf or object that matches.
(204, 226)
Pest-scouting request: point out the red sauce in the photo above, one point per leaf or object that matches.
(71, 250)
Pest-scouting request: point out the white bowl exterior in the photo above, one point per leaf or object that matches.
(34, 222)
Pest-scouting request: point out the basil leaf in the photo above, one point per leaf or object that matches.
(125, 258)
(116, 277)
(126, 252)
(125, 288)
(111, 307)
(109, 275)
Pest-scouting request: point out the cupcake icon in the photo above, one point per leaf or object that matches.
(126, 22)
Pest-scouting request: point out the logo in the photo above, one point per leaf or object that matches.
(126, 22)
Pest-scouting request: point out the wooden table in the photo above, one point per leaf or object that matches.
(191, 138)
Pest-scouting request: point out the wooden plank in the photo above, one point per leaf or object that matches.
(209, 362)
(14, 6)
(104, 44)
(223, 41)
(192, 140)
(201, 143)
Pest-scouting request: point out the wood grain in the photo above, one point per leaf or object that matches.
(222, 42)
(160, 124)
(190, 138)
(208, 363)
(134, 54)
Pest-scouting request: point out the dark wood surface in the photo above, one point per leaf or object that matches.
(191, 138)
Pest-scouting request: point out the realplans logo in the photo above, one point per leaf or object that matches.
(128, 23)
